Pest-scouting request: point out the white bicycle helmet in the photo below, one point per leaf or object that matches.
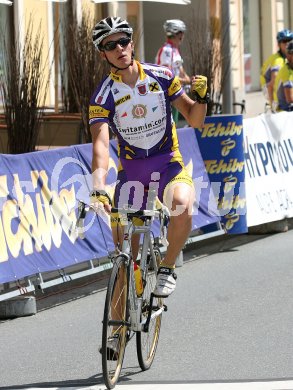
(110, 26)
(174, 26)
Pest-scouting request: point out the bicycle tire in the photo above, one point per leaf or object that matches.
(115, 323)
(147, 342)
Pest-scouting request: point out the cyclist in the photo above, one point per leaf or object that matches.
(135, 101)
(273, 64)
(169, 54)
(283, 89)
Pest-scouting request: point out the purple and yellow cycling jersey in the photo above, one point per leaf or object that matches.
(273, 64)
(141, 116)
(283, 80)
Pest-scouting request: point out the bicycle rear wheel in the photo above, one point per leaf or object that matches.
(115, 327)
(146, 342)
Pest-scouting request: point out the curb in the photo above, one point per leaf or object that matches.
(18, 307)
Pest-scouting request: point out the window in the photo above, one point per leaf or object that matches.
(251, 25)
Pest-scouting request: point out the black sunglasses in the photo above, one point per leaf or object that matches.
(111, 45)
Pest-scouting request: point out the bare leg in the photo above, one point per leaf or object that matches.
(179, 200)
(117, 234)
(117, 310)
(116, 307)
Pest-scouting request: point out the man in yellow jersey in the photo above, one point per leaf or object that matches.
(272, 65)
(283, 89)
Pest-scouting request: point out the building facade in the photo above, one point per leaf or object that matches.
(249, 25)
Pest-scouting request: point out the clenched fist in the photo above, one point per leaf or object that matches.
(199, 87)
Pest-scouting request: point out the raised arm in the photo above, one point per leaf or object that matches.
(194, 111)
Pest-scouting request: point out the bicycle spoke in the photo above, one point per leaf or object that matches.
(115, 324)
(147, 341)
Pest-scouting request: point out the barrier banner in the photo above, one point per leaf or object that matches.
(38, 207)
(38, 194)
(269, 167)
(221, 145)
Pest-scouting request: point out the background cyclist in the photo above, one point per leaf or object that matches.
(283, 89)
(169, 54)
(273, 64)
(135, 100)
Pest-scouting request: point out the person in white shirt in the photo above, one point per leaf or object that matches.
(169, 55)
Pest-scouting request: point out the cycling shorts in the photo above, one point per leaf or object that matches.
(136, 176)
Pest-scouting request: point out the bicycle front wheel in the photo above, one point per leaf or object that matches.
(146, 342)
(115, 326)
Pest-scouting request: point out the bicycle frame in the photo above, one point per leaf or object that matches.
(135, 302)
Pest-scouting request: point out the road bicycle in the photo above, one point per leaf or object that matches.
(127, 312)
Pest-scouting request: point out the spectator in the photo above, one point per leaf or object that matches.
(283, 88)
(273, 64)
(169, 55)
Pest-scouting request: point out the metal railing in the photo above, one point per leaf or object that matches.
(41, 281)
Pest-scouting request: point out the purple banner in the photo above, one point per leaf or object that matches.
(38, 207)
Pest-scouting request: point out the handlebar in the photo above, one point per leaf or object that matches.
(130, 212)
(161, 212)
(83, 208)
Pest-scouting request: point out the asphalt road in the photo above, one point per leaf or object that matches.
(230, 320)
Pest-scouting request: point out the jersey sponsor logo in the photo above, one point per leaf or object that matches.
(174, 87)
(122, 100)
(98, 111)
(139, 111)
(157, 126)
(154, 86)
(164, 71)
(99, 99)
(159, 70)
(124, 115)
(115, 91)
(142, 89)
(168, 73)
(115, 77)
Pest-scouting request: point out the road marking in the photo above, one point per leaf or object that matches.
(253, 385)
